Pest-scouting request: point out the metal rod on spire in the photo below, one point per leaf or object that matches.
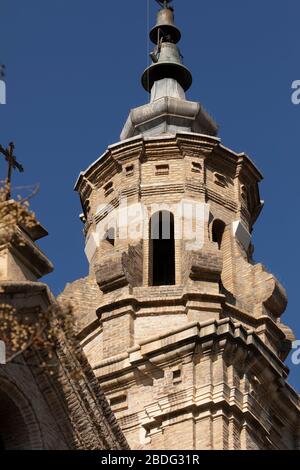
(164, 3)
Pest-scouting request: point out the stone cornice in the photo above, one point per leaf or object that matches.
(29, 254)
(139, 301)
(253, 355)
(189, 333)
(168, 147)
(134, 144)
(26, 287)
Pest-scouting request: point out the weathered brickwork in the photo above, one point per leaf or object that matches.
(176, 361)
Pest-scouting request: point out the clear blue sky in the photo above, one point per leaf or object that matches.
(73, 73)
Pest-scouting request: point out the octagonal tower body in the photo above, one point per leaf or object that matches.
(181, 326)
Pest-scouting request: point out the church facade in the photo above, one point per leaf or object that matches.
(57, 408)
(180, 327)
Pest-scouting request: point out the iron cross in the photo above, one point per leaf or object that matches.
(12, 164)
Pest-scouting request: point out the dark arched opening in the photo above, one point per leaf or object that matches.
(13, 430)
(162, 249)
(110, 236)
(218, 229)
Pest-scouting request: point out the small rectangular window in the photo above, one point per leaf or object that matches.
(108, 188)
(244, 193)
(110, 236)
(118, 402)
(129, 170)
(176, 376)
(196, 167)
(220, 180)
(162, 170)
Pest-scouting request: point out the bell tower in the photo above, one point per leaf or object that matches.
(182, 328)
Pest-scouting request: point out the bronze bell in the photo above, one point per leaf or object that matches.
(168, 65)
(165, 27)
(166, 57)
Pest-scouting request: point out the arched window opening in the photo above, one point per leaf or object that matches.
(218, 229)
(110, 236)
(162, 249)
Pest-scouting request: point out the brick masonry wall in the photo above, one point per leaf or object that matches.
(210, 284)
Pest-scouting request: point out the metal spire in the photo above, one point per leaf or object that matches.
(166, 57)
(168, 110)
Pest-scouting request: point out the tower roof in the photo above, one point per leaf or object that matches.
(167, 79)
